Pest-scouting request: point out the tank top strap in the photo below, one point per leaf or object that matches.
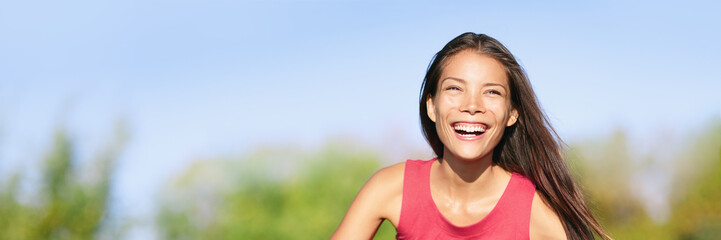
(413, 205)
(514, 208)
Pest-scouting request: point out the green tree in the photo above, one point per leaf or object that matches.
(306, 203)
(605, 168)
(68, 206)
(697, 207)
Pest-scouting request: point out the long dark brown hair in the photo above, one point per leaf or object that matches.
(530, 147)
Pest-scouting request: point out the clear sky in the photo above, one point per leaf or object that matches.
(202, 79)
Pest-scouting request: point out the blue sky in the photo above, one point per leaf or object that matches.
(202, 79)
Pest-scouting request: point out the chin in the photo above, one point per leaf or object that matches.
(469, 155)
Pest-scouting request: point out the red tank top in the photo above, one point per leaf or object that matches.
(421, 219)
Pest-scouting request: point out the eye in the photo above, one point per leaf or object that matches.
(453, 88)
(493, 91)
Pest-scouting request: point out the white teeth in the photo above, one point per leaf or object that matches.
(467, 128)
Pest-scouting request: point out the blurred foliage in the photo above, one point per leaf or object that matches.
(67, 203)
(605, 170)
(284, 193)
(608, 168)
(697, 209)
(304, 204)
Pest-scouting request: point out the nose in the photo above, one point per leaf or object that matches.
(472, 104)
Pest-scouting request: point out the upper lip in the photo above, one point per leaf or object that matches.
(468, 122)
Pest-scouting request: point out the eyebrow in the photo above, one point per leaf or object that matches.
(464, 81)
(496, 84)
(452, 78)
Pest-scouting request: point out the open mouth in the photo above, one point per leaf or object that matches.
(469, 130)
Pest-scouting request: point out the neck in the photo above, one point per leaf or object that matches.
(459, 174)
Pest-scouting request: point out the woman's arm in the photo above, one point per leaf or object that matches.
(545, 223)
(380, 198)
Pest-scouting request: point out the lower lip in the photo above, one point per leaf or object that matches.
(469, 138)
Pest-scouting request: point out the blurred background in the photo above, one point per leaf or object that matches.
(262, 119)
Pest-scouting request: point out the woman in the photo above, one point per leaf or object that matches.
(499, 173)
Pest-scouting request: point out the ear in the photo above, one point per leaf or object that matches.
(513, 118)
(431, 108)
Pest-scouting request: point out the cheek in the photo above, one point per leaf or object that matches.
(499, 108)
(444, 106)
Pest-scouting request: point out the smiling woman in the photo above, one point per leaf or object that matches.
(499, 171)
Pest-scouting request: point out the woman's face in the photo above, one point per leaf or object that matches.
(472, 105)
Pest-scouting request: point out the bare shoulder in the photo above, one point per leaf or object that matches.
(387, 186)
(389, 176)
(545, 223)
(380, 198)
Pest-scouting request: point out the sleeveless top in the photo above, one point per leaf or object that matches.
(421, 219)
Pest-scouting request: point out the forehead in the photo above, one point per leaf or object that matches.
(472, 67)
